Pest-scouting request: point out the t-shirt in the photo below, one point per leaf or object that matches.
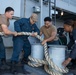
(3, 20)
(48, 31)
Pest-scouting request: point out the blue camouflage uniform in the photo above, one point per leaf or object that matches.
(22, 42)
(73, 52)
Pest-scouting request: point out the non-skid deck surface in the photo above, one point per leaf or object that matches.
(32, 71)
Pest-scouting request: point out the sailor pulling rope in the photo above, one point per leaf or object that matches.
(47, 60)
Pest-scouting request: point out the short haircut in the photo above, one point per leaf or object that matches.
(8, 9)
(69, 22)
(34, 16)
(47, 19)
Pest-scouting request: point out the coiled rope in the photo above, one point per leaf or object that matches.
(46, 61)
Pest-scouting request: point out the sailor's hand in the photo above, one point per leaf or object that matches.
(43, 42)
(15, 33)
(34, 34)
(66, 62)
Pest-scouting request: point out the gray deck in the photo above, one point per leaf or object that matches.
(33, 71)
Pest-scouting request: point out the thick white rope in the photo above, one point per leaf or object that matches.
(2, 33)
(46, 62)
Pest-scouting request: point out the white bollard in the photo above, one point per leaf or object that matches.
(37, 51)
(57, 54)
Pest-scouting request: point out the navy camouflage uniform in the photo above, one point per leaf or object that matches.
(22, 42)
(73, 52)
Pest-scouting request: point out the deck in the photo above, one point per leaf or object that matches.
(33, 71)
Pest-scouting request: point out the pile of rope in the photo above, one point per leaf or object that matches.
(47, 61)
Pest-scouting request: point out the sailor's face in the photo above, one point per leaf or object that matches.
(10, 14)
(32, 21)
(47, 24)
(67, 28)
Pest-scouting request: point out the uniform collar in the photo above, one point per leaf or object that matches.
(29, 20)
